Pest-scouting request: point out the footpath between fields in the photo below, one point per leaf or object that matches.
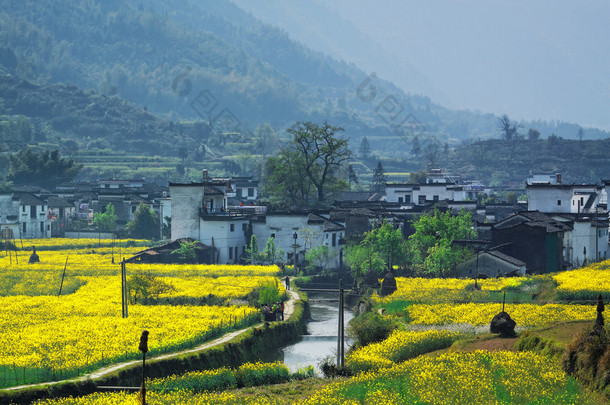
(231, 349)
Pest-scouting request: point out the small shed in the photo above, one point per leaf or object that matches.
(491, 263)
(163, 253)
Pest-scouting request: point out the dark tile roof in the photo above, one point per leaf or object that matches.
(30, 189)
(362, 196)
(29, 199)
(506, 258)
(55, 201)
(329, 226)
(533, 219)
(211, 191)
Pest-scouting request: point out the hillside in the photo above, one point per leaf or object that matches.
(498, 162)
(162, 55)
(163, 89)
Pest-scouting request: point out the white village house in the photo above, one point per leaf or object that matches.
(23, 216)
(299, 232)
(200, 211)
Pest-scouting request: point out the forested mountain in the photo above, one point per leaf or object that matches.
(194, 79)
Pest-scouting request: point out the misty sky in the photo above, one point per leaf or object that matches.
(529, 59)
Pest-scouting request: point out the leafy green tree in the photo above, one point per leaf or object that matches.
(144, 286)
(6, 187)
(389, 243)
(315, 156)
(283, 185)
(267, 141)
(363, 258)
(511, 197)
(319, 256)
(145, 224)
(106, 221)
(431, 247)
(187, 252)
(44, 168)
(380, 250)
(253, 255)
(272, 254)
(365, 149)
(352, 178)
(418, 177)
(379, 178)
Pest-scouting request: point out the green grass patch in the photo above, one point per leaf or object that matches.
(397, 307)
(462, 378)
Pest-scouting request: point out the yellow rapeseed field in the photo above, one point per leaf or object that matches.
(63, 243)
(444, 289)
(459, 378)
(595, 277)
(526, 315)
(399, 346)
(85, 328)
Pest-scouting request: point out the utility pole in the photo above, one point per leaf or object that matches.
(476, 273)
(341, 330)
(124, 289)
(294, 252)
(596, 237)
(213, 252)
(62, 276)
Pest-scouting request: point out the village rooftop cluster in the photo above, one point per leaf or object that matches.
(560, 226)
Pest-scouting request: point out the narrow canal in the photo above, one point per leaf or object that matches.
(322, 334)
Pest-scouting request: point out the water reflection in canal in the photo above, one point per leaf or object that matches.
(321, 340)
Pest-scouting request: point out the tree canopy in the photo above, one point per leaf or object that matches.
(380, 250)
(379, 178)
(106, 221)
(45, 168)
(145, 223)
(306, 171)
(431, 247)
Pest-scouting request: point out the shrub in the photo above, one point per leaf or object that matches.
(268, 293)
(369, 328)
(330, 369)
(255, 374)
(144, 286)
(303, 373)
(198, 381)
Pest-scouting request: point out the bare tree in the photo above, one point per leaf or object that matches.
(508, 128)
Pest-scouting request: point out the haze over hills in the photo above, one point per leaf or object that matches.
(542, 60)
(203, 75)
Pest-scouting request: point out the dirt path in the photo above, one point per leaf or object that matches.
(288, 312)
